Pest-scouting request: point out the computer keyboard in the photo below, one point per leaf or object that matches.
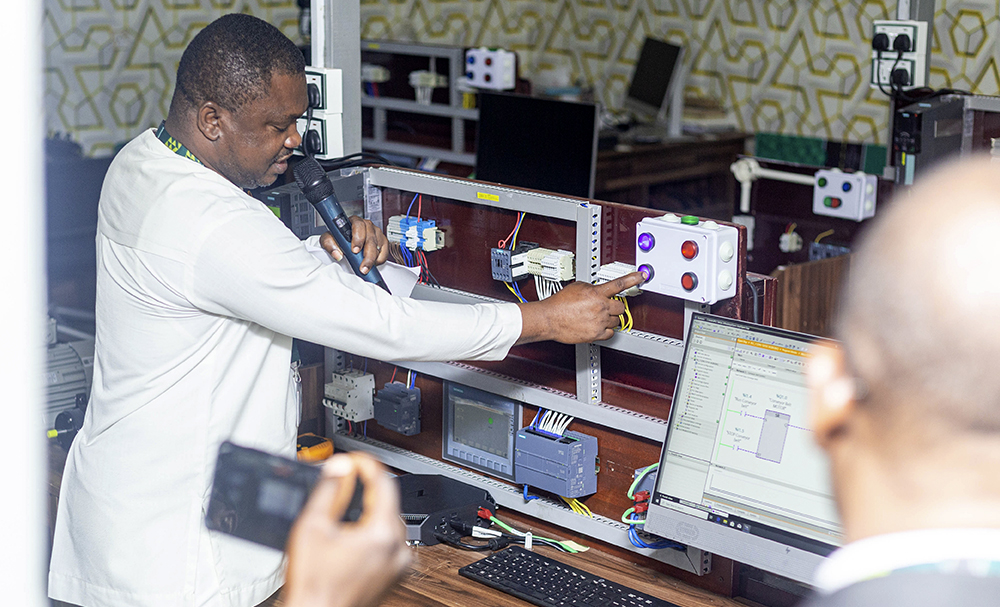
(548, 583)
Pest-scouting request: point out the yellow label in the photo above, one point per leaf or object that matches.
(374, 46)
(485, 196)
(757, 344)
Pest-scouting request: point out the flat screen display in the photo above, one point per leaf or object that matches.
(541, 144)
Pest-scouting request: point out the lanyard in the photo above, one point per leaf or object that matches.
(172, 144)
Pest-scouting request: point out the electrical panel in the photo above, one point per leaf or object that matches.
(349, 394)
(913, 60)
(397, 408)
(487, 68)
(687, 258)
(565, 465)
(845, 195)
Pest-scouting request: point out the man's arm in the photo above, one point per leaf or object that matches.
(579, 313)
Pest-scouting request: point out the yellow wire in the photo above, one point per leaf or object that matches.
(628, 314)
(511, 289)
(791, 228)
(823, 235)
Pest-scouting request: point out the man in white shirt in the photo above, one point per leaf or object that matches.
(909, 409)
(200, 290)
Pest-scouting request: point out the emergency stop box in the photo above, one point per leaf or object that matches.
(845, 195)
(685, 257)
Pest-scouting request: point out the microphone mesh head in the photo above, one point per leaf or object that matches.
(312, 180)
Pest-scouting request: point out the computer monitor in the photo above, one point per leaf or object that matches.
(479, 430)
(542, 144)
(740, 474)
(657, 83)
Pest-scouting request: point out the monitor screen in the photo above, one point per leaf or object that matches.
(740, 474)
(542, 144)
(479, 429)
(656, 74)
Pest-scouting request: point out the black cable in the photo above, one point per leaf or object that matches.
(756, 294)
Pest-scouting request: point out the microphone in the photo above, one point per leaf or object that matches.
(318, 189)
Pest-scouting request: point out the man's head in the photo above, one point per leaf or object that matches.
(909, 409)
(240, 87)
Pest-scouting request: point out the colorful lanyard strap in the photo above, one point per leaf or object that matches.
(172, 144)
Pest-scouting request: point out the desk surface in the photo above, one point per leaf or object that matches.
(433, 581)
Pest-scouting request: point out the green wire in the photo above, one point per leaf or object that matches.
(639, 477)
(507, 527)
(628, 521)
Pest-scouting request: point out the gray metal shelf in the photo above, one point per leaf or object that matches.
(599, 527)
(624, 420)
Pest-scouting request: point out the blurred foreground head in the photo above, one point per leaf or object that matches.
(909, 409)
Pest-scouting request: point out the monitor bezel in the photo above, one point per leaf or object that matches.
(639, 108)
(770, 555)
(448, 430)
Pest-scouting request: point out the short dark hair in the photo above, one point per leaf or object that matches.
(231, 61)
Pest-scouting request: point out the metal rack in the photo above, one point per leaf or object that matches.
(382, 105)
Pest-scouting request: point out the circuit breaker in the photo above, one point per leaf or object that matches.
(565, 465)
(687, 258)
(349, 395)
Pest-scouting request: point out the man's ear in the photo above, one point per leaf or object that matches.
(831, 394)
(209, 117)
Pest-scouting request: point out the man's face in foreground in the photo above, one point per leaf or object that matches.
(260, 136)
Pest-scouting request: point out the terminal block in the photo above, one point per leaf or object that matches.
(397, 408)
(511, 266)
(349, 395)
(565, 465)
(414, 233)
(615, 270)
(687, 258)
(551, 264)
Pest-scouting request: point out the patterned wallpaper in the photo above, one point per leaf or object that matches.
(110, 64)
(798, 68)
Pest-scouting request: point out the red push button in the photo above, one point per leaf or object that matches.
(689, 249)
(689, 281)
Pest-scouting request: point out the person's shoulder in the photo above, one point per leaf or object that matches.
(916, 589)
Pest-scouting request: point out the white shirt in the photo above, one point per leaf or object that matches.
(200, 289)
(973, 551)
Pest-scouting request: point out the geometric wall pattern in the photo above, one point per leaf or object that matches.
(110, 64)
(782, 66)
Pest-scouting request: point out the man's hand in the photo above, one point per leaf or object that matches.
(579, 313)
(365, 236)
(337, 564)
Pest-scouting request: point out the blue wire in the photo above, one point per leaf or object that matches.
(633, 536)
(411, 204)
(527, 497)
(413, 381)
(517, 290)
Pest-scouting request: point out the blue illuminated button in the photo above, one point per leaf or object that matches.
(471, 60)
(846, 187)
(647, 272)
(646, 241)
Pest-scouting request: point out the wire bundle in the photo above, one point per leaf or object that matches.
(577, 506)
(625, 319)
(550, 422)
(417, 258)
(501, 538)
(634, 521)
(546, 287)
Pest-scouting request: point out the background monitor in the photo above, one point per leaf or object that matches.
(740, 474)
(479, 430)
(542, 144)
(657, 77)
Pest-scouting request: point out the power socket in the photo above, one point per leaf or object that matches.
(329, 126)
(330, 84)
(913, 61)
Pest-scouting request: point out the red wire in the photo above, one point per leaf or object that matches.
(420, 205)
(394, 369)
(503, 243)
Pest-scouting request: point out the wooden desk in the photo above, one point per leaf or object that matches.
(689, 176)
(433, 581)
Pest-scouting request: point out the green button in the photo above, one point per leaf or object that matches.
(822, 182)
(689, 220)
